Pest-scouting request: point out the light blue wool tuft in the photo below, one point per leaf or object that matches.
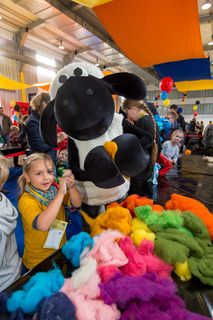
(41, 285)
(75, 246)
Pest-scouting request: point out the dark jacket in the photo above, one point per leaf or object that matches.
(181, 122)
(35, 141)
(208, 136)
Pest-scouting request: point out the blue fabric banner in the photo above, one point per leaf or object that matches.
(191, 69)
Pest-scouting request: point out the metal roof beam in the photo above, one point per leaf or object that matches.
(206, 18)
(89, 21)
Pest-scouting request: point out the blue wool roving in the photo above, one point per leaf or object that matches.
(41, 285)
(75, 246)
(58, 306)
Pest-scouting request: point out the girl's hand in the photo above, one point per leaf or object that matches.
(62, 186)
(70, 181)
(67, 173)
(130, 120)
(69, 177)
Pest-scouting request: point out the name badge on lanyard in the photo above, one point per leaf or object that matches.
(55, 234)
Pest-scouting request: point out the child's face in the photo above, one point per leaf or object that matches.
(177, 138)
(40, 175)
(63, 155)
(133, 113)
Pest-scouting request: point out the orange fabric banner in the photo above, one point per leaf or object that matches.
(153, 32)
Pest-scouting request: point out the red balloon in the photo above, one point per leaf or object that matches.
(166, 84)
(195, 114)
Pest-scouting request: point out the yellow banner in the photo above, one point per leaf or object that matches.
(184, 86)
(9, 84)
(92, 3)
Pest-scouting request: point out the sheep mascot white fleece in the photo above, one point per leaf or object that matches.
(82, 105)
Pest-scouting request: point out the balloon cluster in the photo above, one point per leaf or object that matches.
(166, 85)
(195, 107)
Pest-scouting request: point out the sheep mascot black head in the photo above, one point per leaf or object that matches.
(82, 105)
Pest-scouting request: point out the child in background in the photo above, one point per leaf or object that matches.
(14, 142)
(23, 134)
(10, 263)
(14, 135)
(170, 152)
(62, 162)
(42, 207)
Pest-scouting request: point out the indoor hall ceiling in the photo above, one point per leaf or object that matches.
(29, 26)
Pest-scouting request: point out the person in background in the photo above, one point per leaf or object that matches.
(18, 120)
(14, 142)
(42, 207)
(14, 135)
(167, 124)
(140, 122)
(170, 152)
(201, 126)
(23, 134)
(62, 162)
(208, 136)
(10, 263)
(62, 139)
(5, 124)
(181, 123)
(35, 141)
(191, 127)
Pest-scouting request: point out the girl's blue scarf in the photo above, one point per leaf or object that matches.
(43, 197)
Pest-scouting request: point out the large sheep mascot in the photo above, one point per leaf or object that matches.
(101, 157)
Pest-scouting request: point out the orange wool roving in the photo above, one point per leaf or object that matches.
(182, 203)
(133, 201)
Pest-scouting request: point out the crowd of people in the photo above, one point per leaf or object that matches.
(48, 193)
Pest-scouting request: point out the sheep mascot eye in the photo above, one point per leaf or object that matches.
(100, 155)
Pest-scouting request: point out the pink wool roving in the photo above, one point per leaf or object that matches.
(136, 265)
(106, 250)
(153, 263)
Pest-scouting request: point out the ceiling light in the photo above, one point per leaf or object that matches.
(61, 45)
(206, 5)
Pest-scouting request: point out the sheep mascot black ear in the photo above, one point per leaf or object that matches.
(83, 107)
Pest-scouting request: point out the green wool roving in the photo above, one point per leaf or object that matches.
(159, 221)
(170, 251)
(195, 225)
(173, 246)
(202, 268)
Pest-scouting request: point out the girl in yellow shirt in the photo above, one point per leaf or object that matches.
(42, 207)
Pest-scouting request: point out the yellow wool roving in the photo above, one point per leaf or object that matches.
(140, 231)
(115, 218)
(182, 270)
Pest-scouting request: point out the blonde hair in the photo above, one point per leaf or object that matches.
(4, 171)
(174, 133)
(140, 104)
(27, 165)
(37, 102)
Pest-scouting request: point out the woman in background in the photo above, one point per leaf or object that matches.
(35, 141)
(140, 121)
